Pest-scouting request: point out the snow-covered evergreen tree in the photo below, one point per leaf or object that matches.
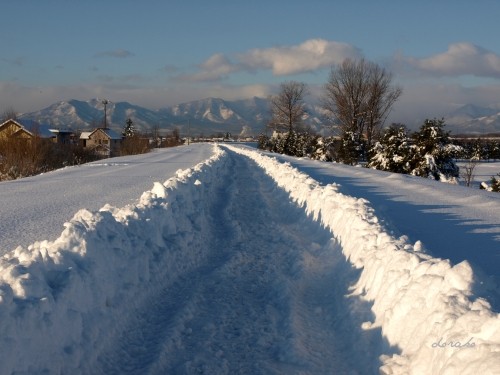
(323, 149)
(351, 149)
(290, 143)
(277, 142)
(495, 150)
(263, 142)
(435, 152)
(495, 183)
(129, 130)
(394, 152)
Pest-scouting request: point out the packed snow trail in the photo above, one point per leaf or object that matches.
(425, 306)
(268, 298)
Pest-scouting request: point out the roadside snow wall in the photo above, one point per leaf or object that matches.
(423, 305)
(60, 301)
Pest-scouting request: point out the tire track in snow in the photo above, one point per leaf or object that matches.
(269, 299)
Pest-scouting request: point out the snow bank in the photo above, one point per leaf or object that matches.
(61, 301)
(423, 305)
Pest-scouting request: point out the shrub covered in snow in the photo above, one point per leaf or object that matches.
(301, 144)
(324, 149)
(494, 184)
(351, 149)
(428, 153)
(436, 152)
(479, 148)
(394, 152)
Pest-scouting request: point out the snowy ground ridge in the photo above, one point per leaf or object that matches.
(423, 305)
(60, 300)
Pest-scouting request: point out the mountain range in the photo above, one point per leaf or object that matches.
(474, 120)
(202, 117)
(214, 115)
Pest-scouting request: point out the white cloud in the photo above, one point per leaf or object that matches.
(311, 55)
(216, 68)
(460, 59)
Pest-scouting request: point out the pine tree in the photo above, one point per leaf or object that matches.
(323, 149)
(435, 152)
(129, 130)
(394, 152)
(290, 143)
(263, 142)
(495, 150)
(351, 148)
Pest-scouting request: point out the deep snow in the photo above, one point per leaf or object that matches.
(229, 267)
(448, 221)
(35, 208)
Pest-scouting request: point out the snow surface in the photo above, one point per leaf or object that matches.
(448, 221)
(244, 264)
(35, 208)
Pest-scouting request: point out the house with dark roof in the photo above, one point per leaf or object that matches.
(26, 129)
(29, 129)
(105, 142)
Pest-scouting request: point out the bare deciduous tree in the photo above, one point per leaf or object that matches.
(358, 98)
(156, 136)
(468, 173)
(8, 114)
(288, 107)
(381, 98)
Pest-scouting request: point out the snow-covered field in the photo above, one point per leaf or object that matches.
(247, 264)
(35, 208)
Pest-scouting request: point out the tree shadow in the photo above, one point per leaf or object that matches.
(443, 233)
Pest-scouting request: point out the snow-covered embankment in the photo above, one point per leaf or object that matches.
(422, 304)
(61, 301)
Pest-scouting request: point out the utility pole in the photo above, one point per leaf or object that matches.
(105, 102)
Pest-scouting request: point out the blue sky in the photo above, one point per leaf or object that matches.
(443, 53)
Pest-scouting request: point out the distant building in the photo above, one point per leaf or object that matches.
(64, 137)
(104, 141)
(29, 129)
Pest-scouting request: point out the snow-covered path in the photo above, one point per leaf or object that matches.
(241, 264)
(268, 298)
